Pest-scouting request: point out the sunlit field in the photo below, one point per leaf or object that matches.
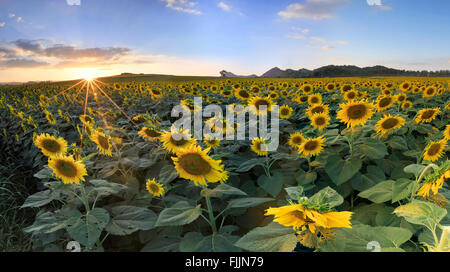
(93, 165)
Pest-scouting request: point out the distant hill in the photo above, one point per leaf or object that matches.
(224, 73)
(346, 71)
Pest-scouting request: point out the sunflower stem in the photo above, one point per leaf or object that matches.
(212, 220)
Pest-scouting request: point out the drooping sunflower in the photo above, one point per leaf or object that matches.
(67, 169)
(355, 113)
(427, 115)
(103, 142)
(259, 146)
(150, 134)
(435, 150)
(297, 217)
(320, 120)
(176, 141)
(195, 164)
(433, 182)
(384, 102)
(312, 146)
(389, 123)
(154, 188)
(211, 141)
(50, 146)
(285, 112)
(319, 108)
(296, 139)
(260, 105)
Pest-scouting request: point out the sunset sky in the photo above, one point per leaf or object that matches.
(70, 39)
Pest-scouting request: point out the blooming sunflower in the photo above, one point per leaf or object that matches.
(407, 105)
(258, 145)
(242, 94)
(429, 92)
(297, 216)
(87, 120)
(67, 169)
(257, 105)
(447, 132)
(389, 123)
(150, 134)
(211, 141)
(401, 98)
(384, 102)
(312, 146)
(319, 108)
(285, 112)
(176, 141)
(350, 95)
(355, 113)
(435, 150)
(314, 99)
(427, 115)
(154, 188)
(103, 142)
(50, 146)
(320, 120)
(307, 88)
(195, 164)
(296, 139)
(405, 86)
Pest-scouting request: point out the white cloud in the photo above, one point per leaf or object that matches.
(224, 6)
(378, 4)
(318, 39)
(183, 6)
(73, 2)
(342, 42)
(296, 36)
(327, 47)
(2, 24)
(11, 15)
(19, 20)
(312, 9)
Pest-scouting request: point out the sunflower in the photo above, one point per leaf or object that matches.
(227, 93)
(242, 94)
(150, 134)
(155, 93)
(427, 115)
(297, 216)
(285, 112)
(429, 92)
(307, 88)
(312, 146)
(389, 123)
(319, 108)
(435, 150)
(257, 147)
(50, 146)
(447, 132)
(195, 165)
(330, 87)
(67, 169)
(346, 87)
(50, 118)
(401, 98)
(407, 104)
(87, 120)
(433, 182)
(405, 86)
(355, 113)
(296, 139)
(211, 141)
(154, 188)
(103, 142)
(320, 120)
(258, 103)
(350, 95)
(314, 99)
(384, 102)
(273, 95)
(176, 141)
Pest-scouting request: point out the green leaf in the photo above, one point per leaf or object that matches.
(271, 238)
(196, 242)
(415, 169)
(294, 193)
(128, 219)
(247, 165)
(379, 193)
(327, 196)
(247, 202)
(167, 174)
(47, 222)
(397, 142)
(162, 244)
(86, 229)
(40, 199)
(366, 214)
(182, 213)
(223, 189)
(43, 173)
(373, 148)
(305, 177)
(341, 171)
(401, 189)
(273, 184)
(422, 213)
(106, 188)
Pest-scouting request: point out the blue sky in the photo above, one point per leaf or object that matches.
(63, 39)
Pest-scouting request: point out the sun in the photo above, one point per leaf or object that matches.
(88, 78)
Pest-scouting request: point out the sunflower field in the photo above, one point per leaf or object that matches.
(361, 165)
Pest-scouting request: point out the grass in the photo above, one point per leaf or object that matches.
(13, 220)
